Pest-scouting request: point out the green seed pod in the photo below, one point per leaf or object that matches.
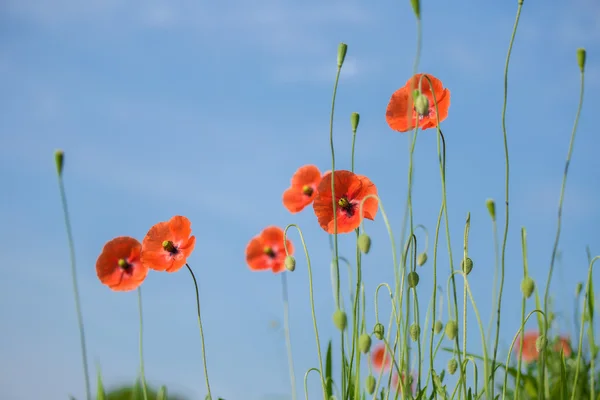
(422, 105)
(527, 286)
(581, 59)
(413, 279)
(415, 331)
(59, 159)
(467, 266)
(452, 366)
(340, 320)
(379, 331)
(342, 49)
(421, 259)
(364, 243)
(438, 326)
(540, 343)
(364, 343)
(451, 330)
(290, 263)
(491, 206)
(354, 120)
(370, 384)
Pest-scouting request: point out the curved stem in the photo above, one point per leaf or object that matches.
(63, 198)
(201, 331)
(142, 373)
(288, 341)
(507, 175)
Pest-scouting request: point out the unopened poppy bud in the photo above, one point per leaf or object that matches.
(438, 326)
(452, 366)
(59, 159)
(370, 384)
(379, 330)
(422, 105)
(551, 317)
(451, 329)
(467, 265)
(354, 120)
(364, 343)
(413, 279)
(416, 5)
(527, 286)
(342, 49)
(162, 393)
(290, 263)
(491, 206)
(364, 243)
(540, 343)
(415, 331)
(340, 320)
(578, 289)
(581, 59)
(421, 259)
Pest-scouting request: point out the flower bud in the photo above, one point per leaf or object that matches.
(59, 159)
(422, 105)
(340, 320)
(370, 384)
(364, 343)
(342, 49)
(581, 59)
(413, 279)
(438, 326)
(162, 393)
(451, 330)
(364, 243)
(452, 366)
(467, 266)
(354, 120)
(415, 331)
(421, 259)
(540, 343)
(527, 286)
(290, 263)
(416, 6)
(578, 289)
(379, 331)
(491, 206)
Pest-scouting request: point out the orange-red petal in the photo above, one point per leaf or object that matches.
(380, 357)
(294, 198)
(271, 237)
(112, 274)
(177, 230)
(306, 175)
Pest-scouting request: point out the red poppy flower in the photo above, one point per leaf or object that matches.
(398, 385)
(401, 114)
(266, 250)
(119, 266)
(530, 352)
(350, 190)
(168, 244)
(380, 357)
(303, 189)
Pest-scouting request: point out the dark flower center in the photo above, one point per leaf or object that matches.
(347, 207)
(170, 247)
(269, 252)
(307, 190)
(124, 264)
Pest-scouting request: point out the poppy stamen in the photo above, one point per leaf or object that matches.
(170, 247)
(346, 206)
(269, 251)
(307, 190)
(124, 264)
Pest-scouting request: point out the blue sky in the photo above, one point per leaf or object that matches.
(206, 110)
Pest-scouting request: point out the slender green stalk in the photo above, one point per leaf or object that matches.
(592, 340)
(496, 272)
(288, 341)
(63, 198)
(201, 331)
(562, 192)
(142, 372)
(312, 301)
(523, 301)
(507, 177)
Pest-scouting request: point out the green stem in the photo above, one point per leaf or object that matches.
(63, 198)
(143, 374)
(507, 175)
(286, 323)
(522, 338)
(201, 331)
